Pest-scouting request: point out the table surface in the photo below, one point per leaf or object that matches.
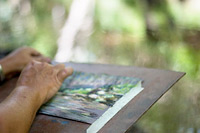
(156, 83)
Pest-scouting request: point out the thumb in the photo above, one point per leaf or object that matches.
(64, 73)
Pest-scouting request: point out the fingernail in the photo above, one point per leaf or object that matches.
(64, 72)
(69, 70)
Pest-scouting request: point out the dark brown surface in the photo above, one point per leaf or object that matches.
(156, 83)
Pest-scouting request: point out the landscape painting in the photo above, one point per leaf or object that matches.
(86, 96)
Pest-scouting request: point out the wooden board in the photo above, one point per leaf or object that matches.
(156, 83)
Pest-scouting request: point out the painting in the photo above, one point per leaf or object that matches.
(86, 96)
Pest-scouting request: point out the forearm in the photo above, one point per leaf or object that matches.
(18, 110)
(37, 83)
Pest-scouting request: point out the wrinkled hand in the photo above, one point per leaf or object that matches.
(18, 59)
(43, 79)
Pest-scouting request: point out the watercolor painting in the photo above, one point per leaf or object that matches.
(86, 96)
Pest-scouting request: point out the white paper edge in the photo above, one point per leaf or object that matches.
(99, 123)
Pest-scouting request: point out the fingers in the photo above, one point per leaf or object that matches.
(59, 66)
(34, 52)
(42, 59)
(60, 70)
(64, 73)
(33, 62)
(30, 50)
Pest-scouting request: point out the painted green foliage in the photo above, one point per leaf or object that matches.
(86, 96)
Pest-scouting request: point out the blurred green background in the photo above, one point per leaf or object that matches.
(163, 34)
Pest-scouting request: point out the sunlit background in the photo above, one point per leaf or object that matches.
(162, 34)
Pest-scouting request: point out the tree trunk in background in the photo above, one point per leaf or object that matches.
(80, 19)
(152, 29)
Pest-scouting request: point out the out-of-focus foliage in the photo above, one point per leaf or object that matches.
(161, 34)
(148, 31)
(158, 34)
(32, 23)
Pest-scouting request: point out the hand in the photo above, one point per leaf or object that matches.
(43, 79)
(18, 59)
(37, 83)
